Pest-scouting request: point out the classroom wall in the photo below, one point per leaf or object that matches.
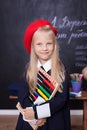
(68, 16)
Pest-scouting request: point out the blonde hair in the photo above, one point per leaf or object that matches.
(57, 67)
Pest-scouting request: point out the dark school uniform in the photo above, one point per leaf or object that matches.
(59, 108)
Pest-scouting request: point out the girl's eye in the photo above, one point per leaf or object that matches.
(49, 43)
(38, 43)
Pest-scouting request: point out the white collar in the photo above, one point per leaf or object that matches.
(46, 66)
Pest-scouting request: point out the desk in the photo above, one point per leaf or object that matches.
(84, 99)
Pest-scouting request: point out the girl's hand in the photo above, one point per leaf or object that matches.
(41, 122)
(29, 113)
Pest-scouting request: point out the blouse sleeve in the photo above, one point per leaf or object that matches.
(23, 94)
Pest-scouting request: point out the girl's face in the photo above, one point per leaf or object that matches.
(43, 46)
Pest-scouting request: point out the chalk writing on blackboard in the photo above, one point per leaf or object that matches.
(75, 28)
(81, 55)
(80, 64)
(81, 58)
(79, 47)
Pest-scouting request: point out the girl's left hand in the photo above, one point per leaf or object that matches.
(29, 113)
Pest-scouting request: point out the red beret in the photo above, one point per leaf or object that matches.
(32, 28)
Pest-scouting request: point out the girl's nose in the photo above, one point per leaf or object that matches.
(44, 47)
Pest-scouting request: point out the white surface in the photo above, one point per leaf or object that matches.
(16, 112)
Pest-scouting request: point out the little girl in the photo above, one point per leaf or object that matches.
(54, 114)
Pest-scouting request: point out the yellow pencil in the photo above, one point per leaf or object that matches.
(42, 94)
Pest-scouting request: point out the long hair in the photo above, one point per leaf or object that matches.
(57, 67)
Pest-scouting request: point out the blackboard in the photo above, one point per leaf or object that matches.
(68, 16)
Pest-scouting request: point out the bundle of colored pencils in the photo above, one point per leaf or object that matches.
(76, 77)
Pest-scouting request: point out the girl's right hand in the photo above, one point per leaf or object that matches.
(41, 122)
